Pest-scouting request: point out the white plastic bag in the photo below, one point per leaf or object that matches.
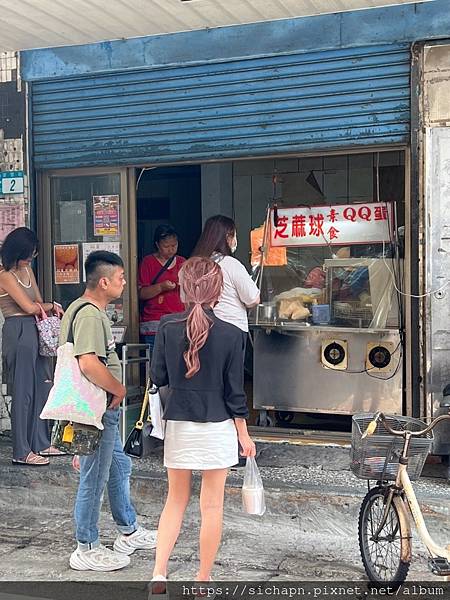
(156, 412)
(253, 500)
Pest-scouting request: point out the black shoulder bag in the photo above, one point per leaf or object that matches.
(156, 277)
(162, 270)
(140, 443)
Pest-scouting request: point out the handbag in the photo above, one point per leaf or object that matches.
(75, 438)
(48, 332)
(73, 397)
(140, 443)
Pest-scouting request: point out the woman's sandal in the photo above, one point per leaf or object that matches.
(52, 452)
(32, 460)
(157, 586)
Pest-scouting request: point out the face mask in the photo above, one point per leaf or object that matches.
(233, 246)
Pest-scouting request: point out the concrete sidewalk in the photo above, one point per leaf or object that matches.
(308, 532)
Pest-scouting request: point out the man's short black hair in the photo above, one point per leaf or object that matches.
(98, 264)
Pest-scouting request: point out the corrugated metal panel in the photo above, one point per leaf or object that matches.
(42, 23)
(282, 104)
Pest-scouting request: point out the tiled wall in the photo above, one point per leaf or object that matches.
(12, 158)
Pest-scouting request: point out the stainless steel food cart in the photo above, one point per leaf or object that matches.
(346, 354)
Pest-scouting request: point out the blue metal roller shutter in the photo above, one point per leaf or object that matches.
(324, 100)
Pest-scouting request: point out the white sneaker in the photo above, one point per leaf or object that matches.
(141, 539)
(98, 559)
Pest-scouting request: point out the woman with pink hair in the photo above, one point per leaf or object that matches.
(199, 358)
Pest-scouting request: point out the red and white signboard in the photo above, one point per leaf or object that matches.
(337, 225)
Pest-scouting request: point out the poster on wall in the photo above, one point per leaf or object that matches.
(115, 313)
(106, 215)
(89, 247)
(118, 333)
(66, 263)
(368, 223)
(12, 215)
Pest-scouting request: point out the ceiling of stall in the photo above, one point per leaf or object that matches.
(47, 23)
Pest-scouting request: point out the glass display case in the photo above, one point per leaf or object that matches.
(361, 292)
(311, 289)
(284, 299)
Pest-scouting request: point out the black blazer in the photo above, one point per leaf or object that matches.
(216, 392)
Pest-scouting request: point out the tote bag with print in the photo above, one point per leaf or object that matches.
(73, 397)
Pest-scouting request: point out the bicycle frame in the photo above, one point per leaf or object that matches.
(403, 484)
(396, 499)
(416, 512)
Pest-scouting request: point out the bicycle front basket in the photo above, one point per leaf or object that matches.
(377, 456)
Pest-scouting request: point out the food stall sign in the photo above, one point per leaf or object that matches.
(340, 224)
(11, 182)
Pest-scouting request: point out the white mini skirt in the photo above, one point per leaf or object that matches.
(200, 446)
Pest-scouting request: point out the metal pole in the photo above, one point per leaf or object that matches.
(124, 383)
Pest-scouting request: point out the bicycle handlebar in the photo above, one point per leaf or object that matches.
(379, 416)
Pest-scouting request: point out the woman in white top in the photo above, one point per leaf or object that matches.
(219, 242)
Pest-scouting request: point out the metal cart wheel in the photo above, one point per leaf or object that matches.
(284, 417)
(381, 557)
(263, 419)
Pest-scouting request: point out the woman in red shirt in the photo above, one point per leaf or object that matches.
(158, 282)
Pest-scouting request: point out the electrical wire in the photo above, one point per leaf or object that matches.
(394, 245)
(366, 370)
(141, 173)
(430, 293)
(406, 294)
(392, 227)
(394, 373)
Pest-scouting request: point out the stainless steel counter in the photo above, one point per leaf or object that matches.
(290, 326)
(289, 371)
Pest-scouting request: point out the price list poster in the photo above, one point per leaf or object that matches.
(12, 215)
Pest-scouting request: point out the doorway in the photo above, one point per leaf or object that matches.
(168, 195)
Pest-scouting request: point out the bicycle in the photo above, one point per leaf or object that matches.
(384, 530)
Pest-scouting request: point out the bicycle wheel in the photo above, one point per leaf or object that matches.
(382, 557)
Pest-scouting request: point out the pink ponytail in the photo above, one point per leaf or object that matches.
(197, 330)
(201, 282)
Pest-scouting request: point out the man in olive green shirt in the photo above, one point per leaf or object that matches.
(95, 349)
(91, 334)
